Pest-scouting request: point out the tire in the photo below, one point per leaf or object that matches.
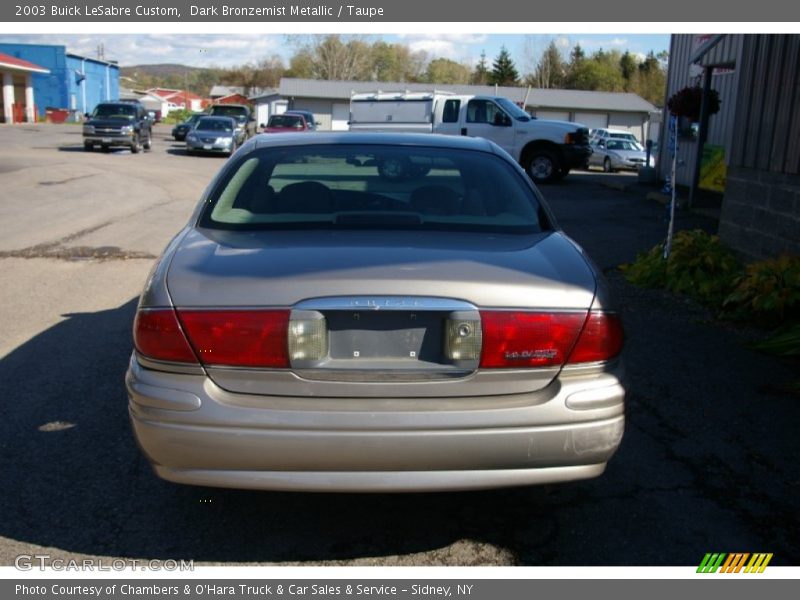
(543, 166)
(607, 166)
(393, 169)
(88, 147)
(148, 145)
(233, 148)
(136, 146)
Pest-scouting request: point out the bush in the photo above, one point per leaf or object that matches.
(698, 266)
(768, 292)
(177, 116)
(786, 342)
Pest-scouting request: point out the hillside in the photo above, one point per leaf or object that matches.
(174, 76)
(161, 70)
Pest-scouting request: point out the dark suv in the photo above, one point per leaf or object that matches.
(245, 120)
(116, 124)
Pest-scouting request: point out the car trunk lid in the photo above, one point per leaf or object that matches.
(385, 307)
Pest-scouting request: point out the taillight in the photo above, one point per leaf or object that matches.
(601, 338)
(240, 338)
(544, 339)
(157, 335)
(528, 339)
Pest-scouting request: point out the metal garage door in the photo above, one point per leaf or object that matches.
(628, 122)
(322, 110)
(340, 116)
(553, 114)
(592, 120)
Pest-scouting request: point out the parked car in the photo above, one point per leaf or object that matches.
(181, 129)
(614, 155)
(307, 115)
(286, 123)
(245, 120)
(218, 135)
(595, 135)
(316, 326)
(118, 124)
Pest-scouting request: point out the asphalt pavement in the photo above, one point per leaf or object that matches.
(708, 461)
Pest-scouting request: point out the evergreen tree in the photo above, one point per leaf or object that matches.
(503, 70)
(480, 76)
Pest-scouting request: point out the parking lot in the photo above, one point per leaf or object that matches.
(708, 462)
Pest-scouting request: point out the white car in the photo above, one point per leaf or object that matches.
(595, 135)
(614, 155)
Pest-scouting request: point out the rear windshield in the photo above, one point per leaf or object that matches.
(211, 124)
(285, 121)
(229, 111)
(373, 187)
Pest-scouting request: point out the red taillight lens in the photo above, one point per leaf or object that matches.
(240, 338)
(531, 339)
(157, 335)
(528, 339)
(601, 339)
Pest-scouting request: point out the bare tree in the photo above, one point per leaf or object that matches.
(334, 57)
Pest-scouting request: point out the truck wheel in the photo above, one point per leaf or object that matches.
(543, 166)
(393, 169)
(136, 145)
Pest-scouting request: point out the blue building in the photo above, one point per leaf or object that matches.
(74, 82)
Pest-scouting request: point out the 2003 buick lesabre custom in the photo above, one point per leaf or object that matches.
(374, 312)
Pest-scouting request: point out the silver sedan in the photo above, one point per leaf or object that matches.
(216, 135)
(319, 326)
(614, 155)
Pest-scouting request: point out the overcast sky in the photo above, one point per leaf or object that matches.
(202, 50)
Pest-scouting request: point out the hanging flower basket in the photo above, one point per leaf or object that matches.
(686, 103)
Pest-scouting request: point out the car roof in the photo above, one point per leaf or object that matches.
(325, 138)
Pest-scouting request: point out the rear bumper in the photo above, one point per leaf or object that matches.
(195, 433)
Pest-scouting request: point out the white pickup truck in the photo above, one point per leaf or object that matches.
(546, 149)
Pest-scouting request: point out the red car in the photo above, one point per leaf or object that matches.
(287, 122)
